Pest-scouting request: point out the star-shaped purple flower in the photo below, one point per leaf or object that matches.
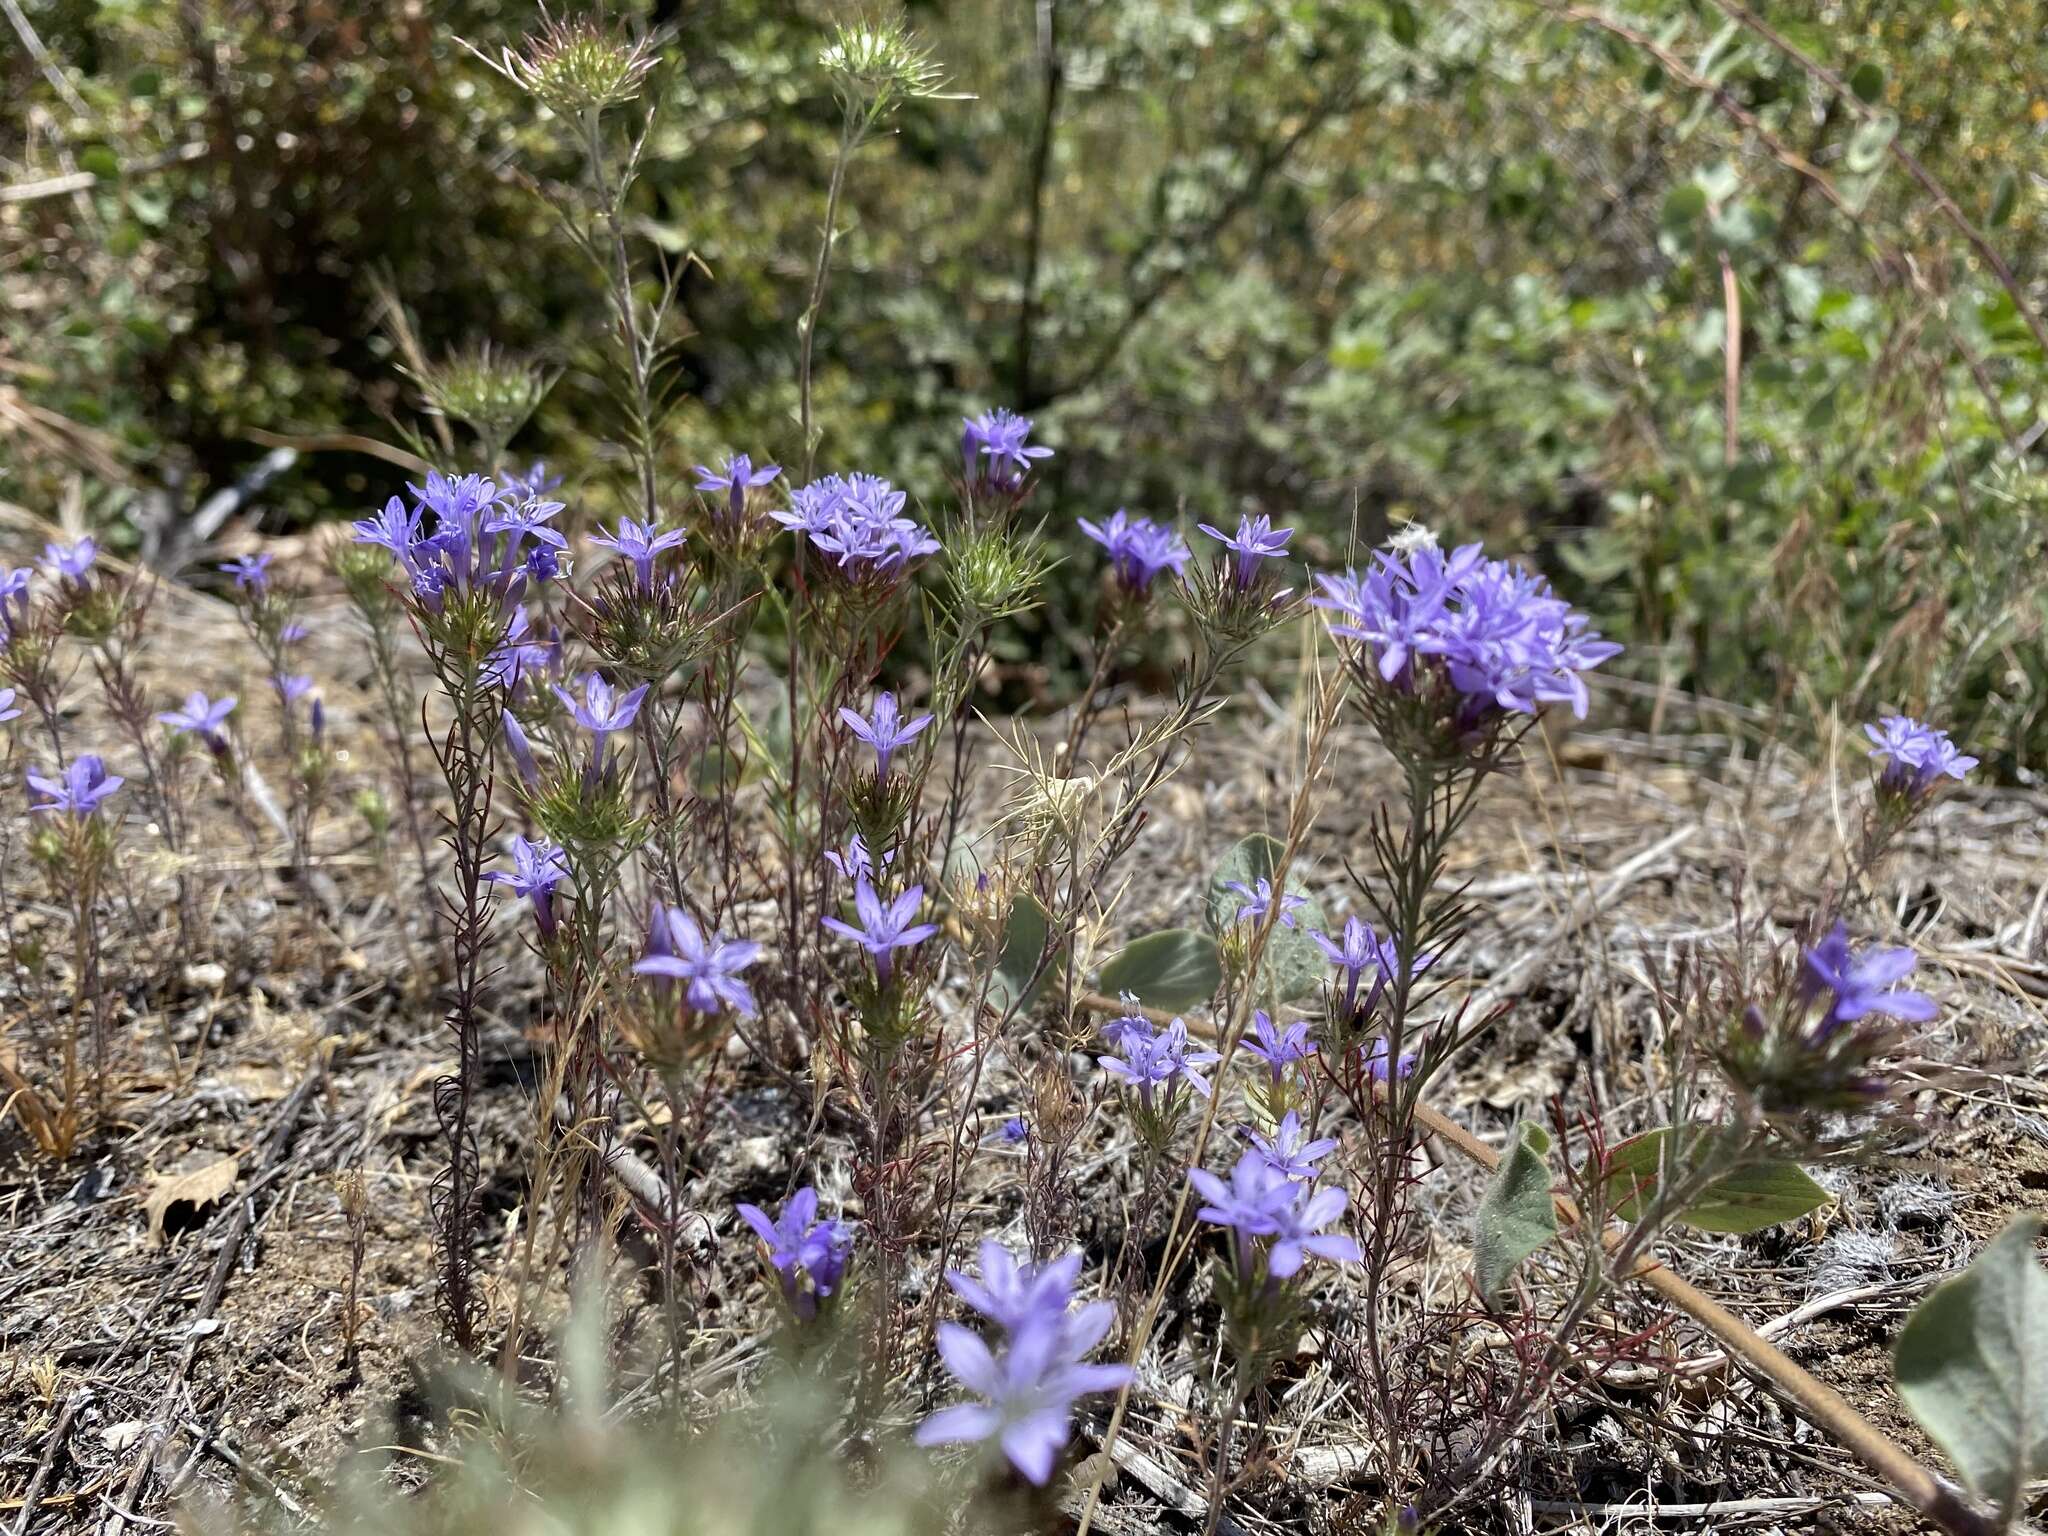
(251, 572)
(737, 478)
(200, 716)
(883, 728)
(885, 926)
(1255, 541)
(1258, 900)
(1278, 1048)
(1139, 550)
(995, 447)
(1288, 1150)
(1861, 986)
(709, 966)
(79, 789)
(537, 868)
(802, 1248)
(71, 562)
(639, 543)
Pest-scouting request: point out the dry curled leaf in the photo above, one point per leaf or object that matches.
(194, 1187)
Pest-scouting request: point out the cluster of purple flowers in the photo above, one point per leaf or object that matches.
(1835, 1018)
(1500, 636)
(487, 540)
(996, 449)
(1028, 1391)
(1139, 549)
(1915, 757)
(808, 1255)
(858, 521)
(708, 966)
(1152, 1061)
(1269, 1209)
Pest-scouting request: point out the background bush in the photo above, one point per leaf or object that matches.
(1353, 262)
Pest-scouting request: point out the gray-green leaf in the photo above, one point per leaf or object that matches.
(1972, 1365)
(1748, 1198)
(1517, 1217)
(1023, 945)
(1176, 968)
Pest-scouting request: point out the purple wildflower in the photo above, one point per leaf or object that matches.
(1914, 756)
(1160, 1061)
(885, 926)
(537, 868)
(203, 718)
(1139, 550)
(395, 528)
(858, 521)
(1256, 540)
(9, 710)
(79, 789)
(1359, 950)
(802, 1248)
(883, 729)
(855, 862)
(1014, 1130)
(1261, 1202)
(1278, 1048)
(1259, 900)
(1030, 1388)
(1861, 987)
(1016, 1296)
(1000, 438)
(522, 752)
(1289, 1152)
(737, 478)
(600, 711)
(251, 572)
(1375, 1056)
(709, 966)
(1501, 638)
(291, 688)
(71, 562)
(640, 543)
(535, 483)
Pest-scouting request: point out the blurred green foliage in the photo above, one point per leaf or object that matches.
(1351, 261)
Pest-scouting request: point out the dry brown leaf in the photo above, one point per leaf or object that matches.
(194, 1187)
